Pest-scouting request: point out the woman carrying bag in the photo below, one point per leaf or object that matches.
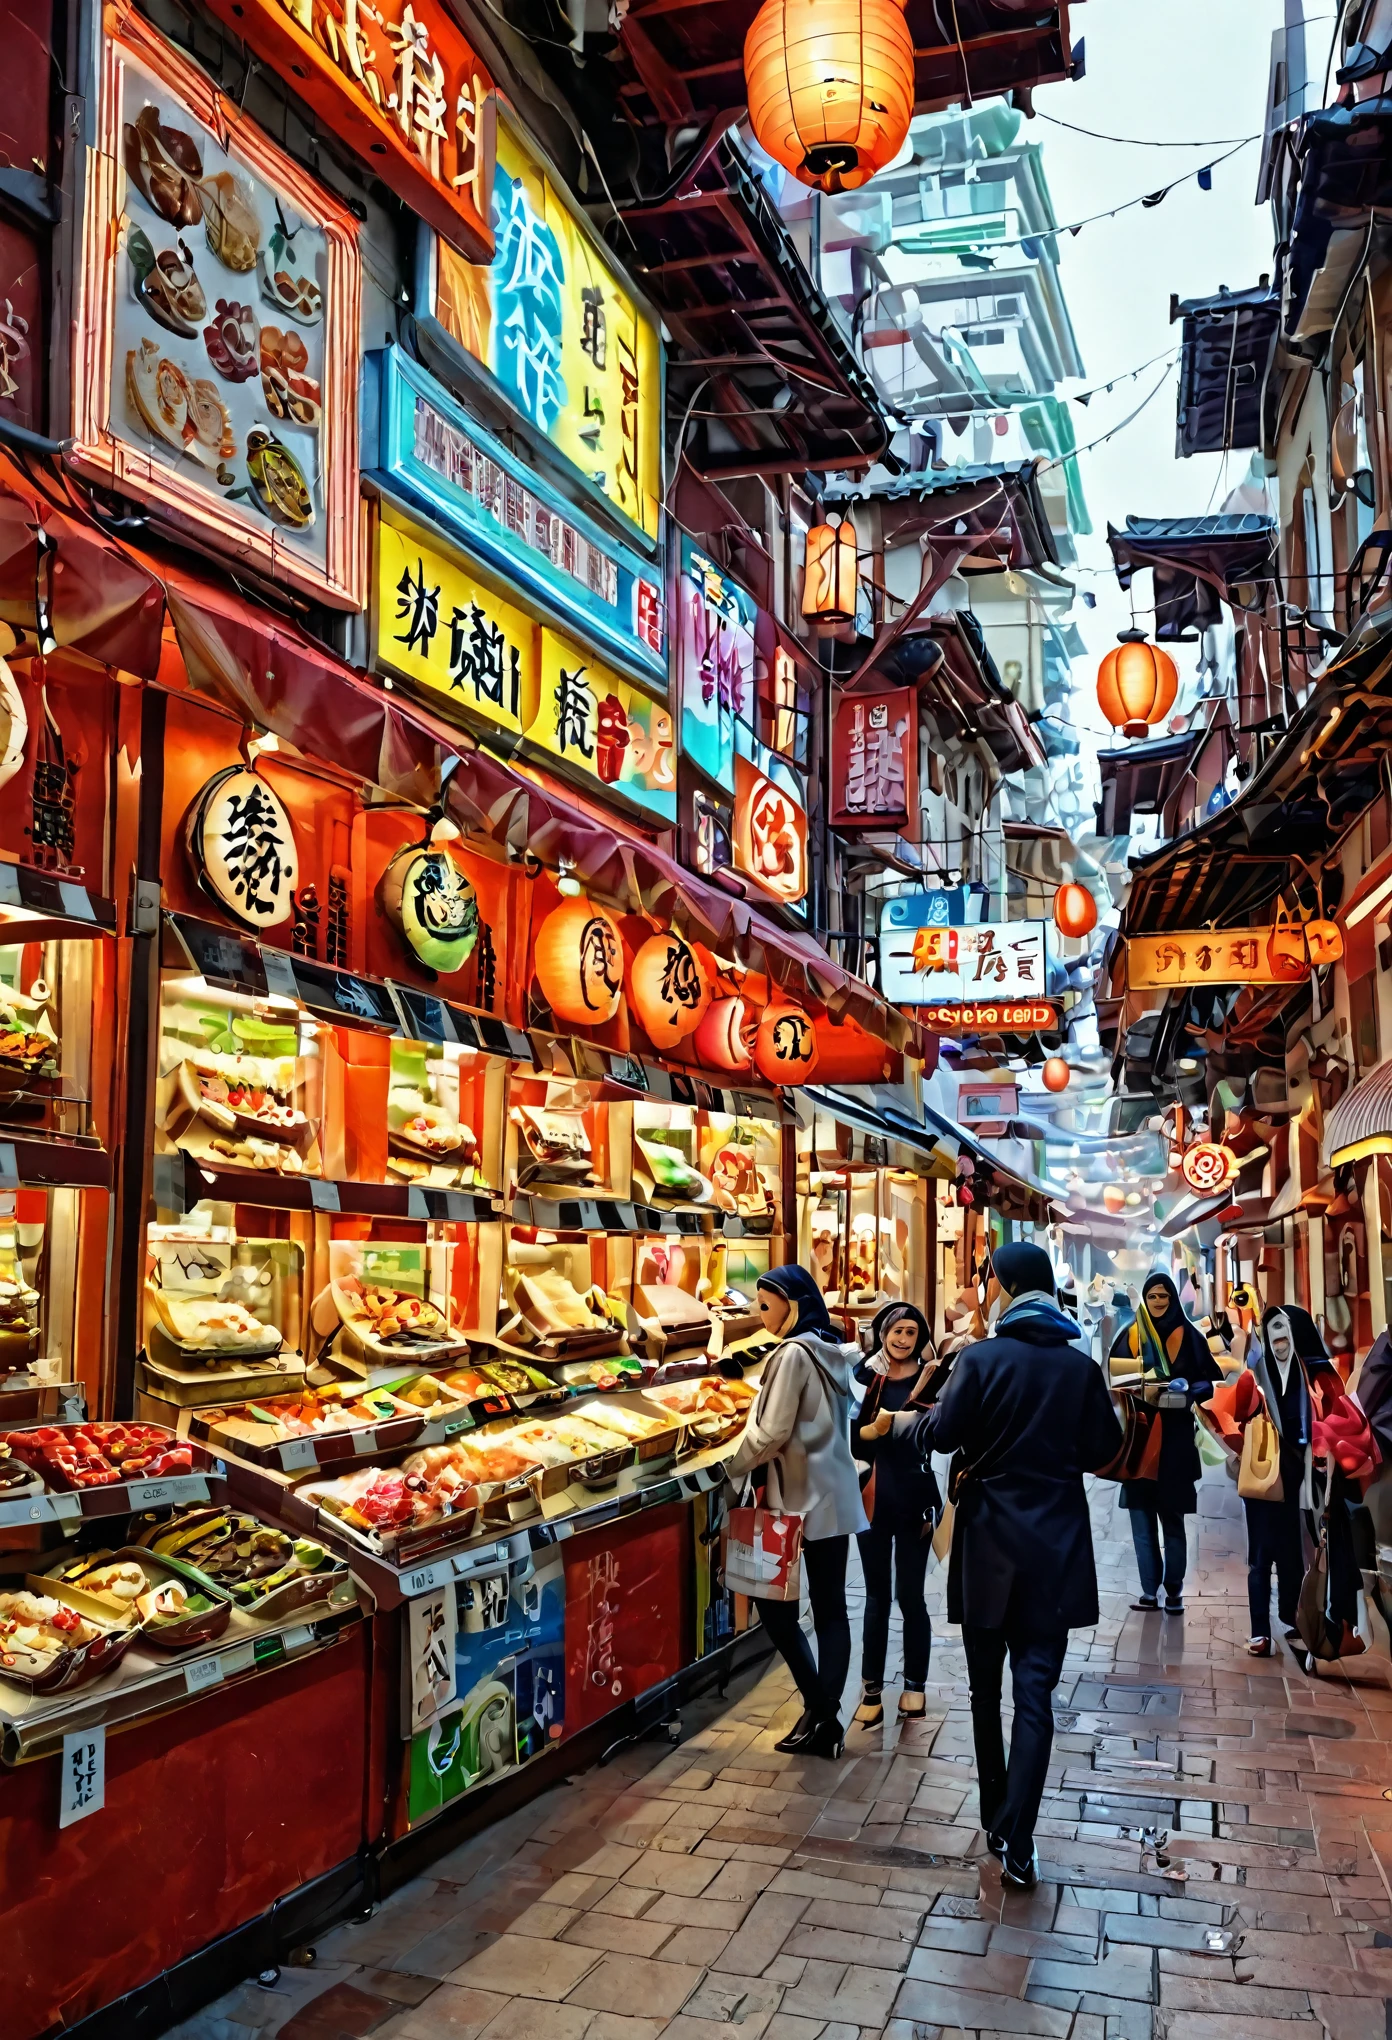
(903, 1501)
(799, 1431)
(1177, 1369)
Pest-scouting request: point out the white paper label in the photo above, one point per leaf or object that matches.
(9, 1165)
(280, 974)
(298, 1452)
(9, 886)
(67, 1508)
(298, 1637)
(240, 1658)
(364, 1443)
(152, 1494)
(323, 1196)
(427, 1577)
(76, 904)
(83, 1785)
(207, 1671)
(416, 1205)
(22, 1511)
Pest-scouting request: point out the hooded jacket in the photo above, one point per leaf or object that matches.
(799, 1427)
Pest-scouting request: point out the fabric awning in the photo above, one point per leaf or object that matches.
(884, 1123)
(66, 585)
(1363, 1113)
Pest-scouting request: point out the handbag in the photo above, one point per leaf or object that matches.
(1141, 1438)
(763, 1547)
(1259, 1470)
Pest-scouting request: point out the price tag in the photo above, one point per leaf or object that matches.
(9, 886)
(589, 1214)
(458, 1207)
(26, 1512)
(456, 1424)
(205, 1673)
(76, 904)
(297, 1452)
(67, 1508)
(323, 1196)
(82, 1786)
(280, 973)
(416, 1203)
(427, 1577)
(9, 1166)
(365, 1443)
(240, 1658)
(298, 1637)
(152, 1494)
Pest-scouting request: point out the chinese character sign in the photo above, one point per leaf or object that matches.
(439, 626)
(397, 80)
(1205, 956)
(716, 625)
(552, 320)
(604, 728)
(874, 757)
(242, 842)
(925, 962)
(770, 823)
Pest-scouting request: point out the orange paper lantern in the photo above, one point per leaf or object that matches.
(831, 573)
(725, 1038)
(1057, 1075)
(668, 989)
(830, 85)
(578, 960)
(1324, 941)
(785, 1048)
(1114, 1198)
(1075, 910)
(1136, 685)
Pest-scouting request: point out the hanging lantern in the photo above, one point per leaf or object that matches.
(1075, 910)
(785, 1048)
(1208, 1166)
(1136, 685)
(1114, 1198)
(1324, 940)
(1057, 1075)
(1285, 947)
(668, 989)
(578, 960)
(725, 1038)
(830, 578)
(830, 85)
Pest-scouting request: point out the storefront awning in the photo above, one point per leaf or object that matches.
(1361, 1122)
(67, 586)
(881, 1122)
(1195, 562)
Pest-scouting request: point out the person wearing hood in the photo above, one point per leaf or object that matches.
(1027, 1413)
(903, 1501)
(1172, 1355)
(799, 1429)
(1286, 1351)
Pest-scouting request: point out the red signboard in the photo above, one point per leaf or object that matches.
(874, 760)
(1004, 1016)
(399, 83)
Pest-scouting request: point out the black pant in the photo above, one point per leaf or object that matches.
(819, 1681)
(897, 1544)
(1273, 1539)
(1010, 1795)
(1146, 1525)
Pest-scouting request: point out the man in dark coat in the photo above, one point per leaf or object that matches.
(1028, 1413)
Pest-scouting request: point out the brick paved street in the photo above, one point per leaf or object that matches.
(722, 1890)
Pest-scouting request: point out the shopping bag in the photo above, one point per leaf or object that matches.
(1139, 1457)
(763, 1554)
(1259, 1473)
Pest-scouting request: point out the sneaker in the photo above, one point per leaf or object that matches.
(1147, 1605)
(1020, 1876)
(1174, 1604)
(1260, 1646)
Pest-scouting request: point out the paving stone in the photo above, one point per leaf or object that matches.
(637, 1986)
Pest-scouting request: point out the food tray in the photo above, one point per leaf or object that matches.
(187, 1107)
(400, 1545)
(70, 1669)
(44, 1447)
(300, 1591)
(185, 1632)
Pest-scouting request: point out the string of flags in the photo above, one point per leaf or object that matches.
(1033, 244)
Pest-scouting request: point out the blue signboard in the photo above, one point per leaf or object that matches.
(424, 448)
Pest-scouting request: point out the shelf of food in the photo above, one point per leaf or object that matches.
(181, 1182)
(68, 1473)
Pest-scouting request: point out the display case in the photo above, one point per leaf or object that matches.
(863, 1220)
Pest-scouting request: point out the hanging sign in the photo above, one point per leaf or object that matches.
(770, 831)
(874, 759)
(218, 325)
(242, 843)
(430, 449)
(979, 1104)
(715, 636)
(1210, 956)
(398, 82)
(927, 962)
(603, 729)
(991, 1016)
(1208, 1167)
(427, 897)
(436, 624)
(555, 324)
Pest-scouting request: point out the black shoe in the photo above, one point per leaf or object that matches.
(1174, 1604)
(798, 1736)
(826, 1740)
(1020, 1876)
(996, 1846)
(1146, 1605)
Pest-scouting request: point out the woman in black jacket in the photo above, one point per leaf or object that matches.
(1179, 1370)
(903, 1502)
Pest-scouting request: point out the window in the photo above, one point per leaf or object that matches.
(1363, 1021)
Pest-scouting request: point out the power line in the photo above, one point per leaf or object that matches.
(1139, 141)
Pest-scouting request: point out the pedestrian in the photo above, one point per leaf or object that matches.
(903, 1501)
(1175, 1362)
(1028, 1413)
(798, 1429)
(1282, 1357)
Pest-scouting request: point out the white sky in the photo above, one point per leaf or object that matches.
(1163, 70)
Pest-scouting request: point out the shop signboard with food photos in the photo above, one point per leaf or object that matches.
(559, 330)
(217, 330)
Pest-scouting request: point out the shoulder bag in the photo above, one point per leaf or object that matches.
(1259, 1470)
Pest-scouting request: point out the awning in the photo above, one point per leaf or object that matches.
(1362, 1116)
(881, 1122)
(999, 508)
(67, 586)
(1193, 1211)
(1144, 778)
(1197, 560)
(1225, 352)
(946, 658)
(1344, 158)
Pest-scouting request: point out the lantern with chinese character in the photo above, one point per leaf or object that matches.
(785, 1048)
(830, 86)
(578, 960)
(1057, 1075)
(242, 842)
(1075, 910)
(668, 989)
(1208, 1167)
(830, 576)
(1136, 685)
(725, 1038)
(1324, 941)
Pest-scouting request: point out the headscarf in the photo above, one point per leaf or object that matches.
(809, 1313)
(1021, 1268)
(1309, 1351)
(1169, 1344)
(898, 1314)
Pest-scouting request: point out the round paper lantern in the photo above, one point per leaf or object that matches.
(1324, 940)
(428, 898)
(724, 1040)
(1207, 1166)
(242, 842)
(668, 989)
(785, 1048)
(1075, 910)
(578, 960)
(830, 86)
(1114, 1198)
(1136, 685)
(1057, 1075)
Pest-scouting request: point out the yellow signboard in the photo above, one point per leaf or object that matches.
(599, 725)
(1210, 956)
(437, 625)
(551, 319)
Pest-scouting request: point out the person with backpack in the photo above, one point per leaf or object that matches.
(903, 1501)
(1027, 1413)
(798, 1434)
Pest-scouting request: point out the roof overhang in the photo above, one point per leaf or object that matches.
(1197, 560)
(999, 508)
(1225, 355)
